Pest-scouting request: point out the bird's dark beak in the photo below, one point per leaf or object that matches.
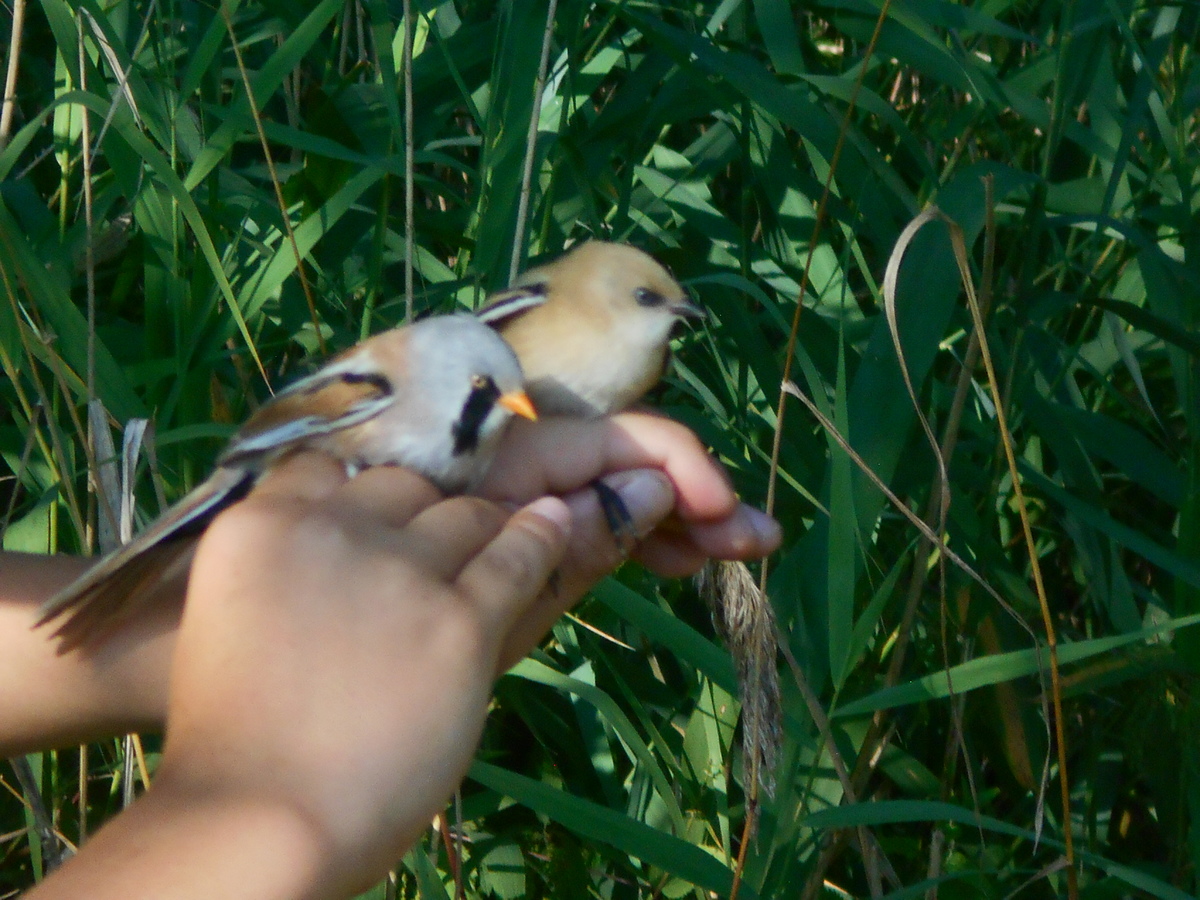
(687, 308)
(518, 402)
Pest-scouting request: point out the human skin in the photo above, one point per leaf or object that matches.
(309, 741)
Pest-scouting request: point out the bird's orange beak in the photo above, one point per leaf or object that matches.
(519, 403)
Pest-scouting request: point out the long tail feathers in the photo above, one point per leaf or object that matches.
(126, 581)
(92, 614)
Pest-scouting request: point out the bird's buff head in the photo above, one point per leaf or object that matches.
(619, 278)
(592, 328)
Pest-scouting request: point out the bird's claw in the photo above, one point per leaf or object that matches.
(617, 515)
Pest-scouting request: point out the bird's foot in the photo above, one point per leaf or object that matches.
(618, 517)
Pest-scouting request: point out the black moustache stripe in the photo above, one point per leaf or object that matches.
(475, 411)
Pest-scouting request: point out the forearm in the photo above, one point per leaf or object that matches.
(48, 699)
(179, 843)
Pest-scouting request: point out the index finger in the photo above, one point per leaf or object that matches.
(508, 575)
(561, 455)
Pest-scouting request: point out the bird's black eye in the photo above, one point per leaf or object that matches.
(479, 382)
(649, 297)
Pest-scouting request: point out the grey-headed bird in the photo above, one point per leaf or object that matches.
(433, 396)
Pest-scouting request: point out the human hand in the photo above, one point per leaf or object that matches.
(557, 455)
(561, 455)
(349, 681)
(331, 677)
(434, 625)
(324, 734)
(121, 684)
(332, 672)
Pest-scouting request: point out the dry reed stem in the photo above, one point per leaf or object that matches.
(409, 153)
(539, 86)
(14, 67)
(269, 159)
(1035, 568)
(793, 335)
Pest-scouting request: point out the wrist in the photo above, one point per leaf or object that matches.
(181, 841)
(48, 699)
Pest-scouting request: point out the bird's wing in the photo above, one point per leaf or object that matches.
(102, 596)
(344, 393)
(502, 306)
(336, 397)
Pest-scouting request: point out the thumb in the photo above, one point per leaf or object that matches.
(508, 574)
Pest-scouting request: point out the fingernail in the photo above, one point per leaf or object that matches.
(647, 495)
(554, 511)
(766, 529)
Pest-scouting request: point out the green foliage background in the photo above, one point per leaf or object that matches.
(704, 132)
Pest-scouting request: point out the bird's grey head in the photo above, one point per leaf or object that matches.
(474, 372)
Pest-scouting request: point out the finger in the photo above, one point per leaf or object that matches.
(747, 533)
(591, 553)
(702, 487)
(560, 455)
(594, 551)
(390, 494)
(507, 577)
(449, 535)
(304, 475)
(676, 549)
(670, 554)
